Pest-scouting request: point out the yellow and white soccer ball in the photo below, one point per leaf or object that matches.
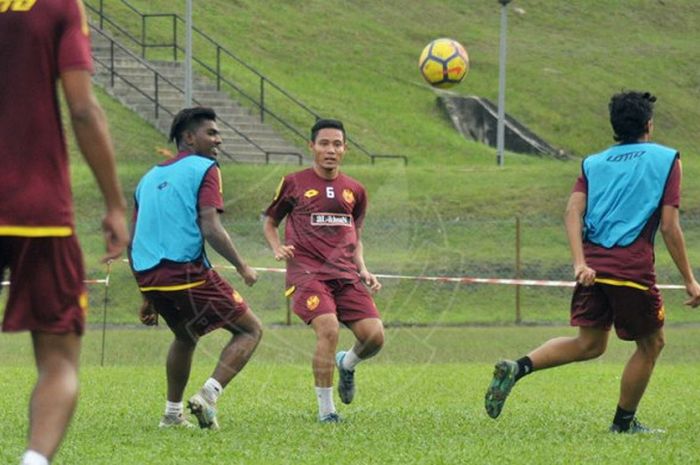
(444, 63)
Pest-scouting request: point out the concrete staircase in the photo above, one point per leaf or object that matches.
(138, 84)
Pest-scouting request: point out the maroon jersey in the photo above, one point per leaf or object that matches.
(39, 39)
(322, 221)
(635, 262)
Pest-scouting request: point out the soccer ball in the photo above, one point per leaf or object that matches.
(444, 63)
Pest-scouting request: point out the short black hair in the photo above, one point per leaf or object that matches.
(188, 119)
(630, 113)
(324, 124)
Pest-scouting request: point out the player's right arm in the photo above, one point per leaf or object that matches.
(271, 232)
(280, 207)
(92, 134)
(573, 220)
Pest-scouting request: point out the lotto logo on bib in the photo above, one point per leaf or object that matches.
(331, 219)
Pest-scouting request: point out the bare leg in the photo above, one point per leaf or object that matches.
(638, 370)
(55, 395)
(589, 343)
(370, 337)
(178, 365)
(247, 332)
(326, 327)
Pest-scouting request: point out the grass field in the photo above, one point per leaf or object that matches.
(450, 212)
(420, 401)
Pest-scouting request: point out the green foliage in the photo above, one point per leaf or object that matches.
(419, 401)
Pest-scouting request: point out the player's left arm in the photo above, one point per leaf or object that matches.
(673, 234)
(92, 135)
(368, 278)
(216, 235)
(358, 215)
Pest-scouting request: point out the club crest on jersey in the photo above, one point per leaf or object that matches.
(310, 193)
(331, 219)
(348, 196)
(312, 302)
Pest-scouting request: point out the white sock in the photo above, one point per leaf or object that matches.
(173, 409)
(31, 457)
(351, 360)
(212, 389)
(324, 396)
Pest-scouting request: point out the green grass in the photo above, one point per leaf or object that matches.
(451, 211)
(358, 61)
(419, 401)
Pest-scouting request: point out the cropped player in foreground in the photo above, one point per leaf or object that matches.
(178, 203)
(327, 279)
(622, 196)
(42, 43)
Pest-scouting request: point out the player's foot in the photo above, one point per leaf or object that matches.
(330, 418)
(204, 410)
(636, 428)
(346, 380)
(501, 384)
(174, 421)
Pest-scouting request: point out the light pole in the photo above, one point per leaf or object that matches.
(500, 131)
(188, 54)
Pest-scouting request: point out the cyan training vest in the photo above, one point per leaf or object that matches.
(626, 183)
(166, 224)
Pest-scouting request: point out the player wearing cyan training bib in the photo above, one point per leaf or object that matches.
(327, 280)
(624, 194)
(178, 206)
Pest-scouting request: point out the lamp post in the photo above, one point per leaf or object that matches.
(500, 131)
(188, 54)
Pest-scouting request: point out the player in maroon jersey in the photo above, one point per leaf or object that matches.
(42, 42)
(327, 279)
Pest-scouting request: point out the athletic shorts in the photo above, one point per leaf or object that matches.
(635, 312)
(47, 292)
(202, 308)
(350, 300)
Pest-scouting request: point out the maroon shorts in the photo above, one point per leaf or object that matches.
(348, 299)
(636, 313)
(203, 308)
(47, 292)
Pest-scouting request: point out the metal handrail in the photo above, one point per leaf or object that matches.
(158, 106)
(259, 102)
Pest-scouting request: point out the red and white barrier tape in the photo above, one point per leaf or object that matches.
(87, 281)
(469, 280)
(441, 279)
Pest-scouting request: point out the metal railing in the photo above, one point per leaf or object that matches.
(160, 80)
(215, 70)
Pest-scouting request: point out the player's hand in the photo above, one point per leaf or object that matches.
(148, 314)
(693, 290)
(584, 274)
(284, 252)
(249, 275)
(115, 233)
(371, 281)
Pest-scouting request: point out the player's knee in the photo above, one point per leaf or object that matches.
(593, 348)
(653, 345)
(255, 329)
(328, 334)
(376, 339)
